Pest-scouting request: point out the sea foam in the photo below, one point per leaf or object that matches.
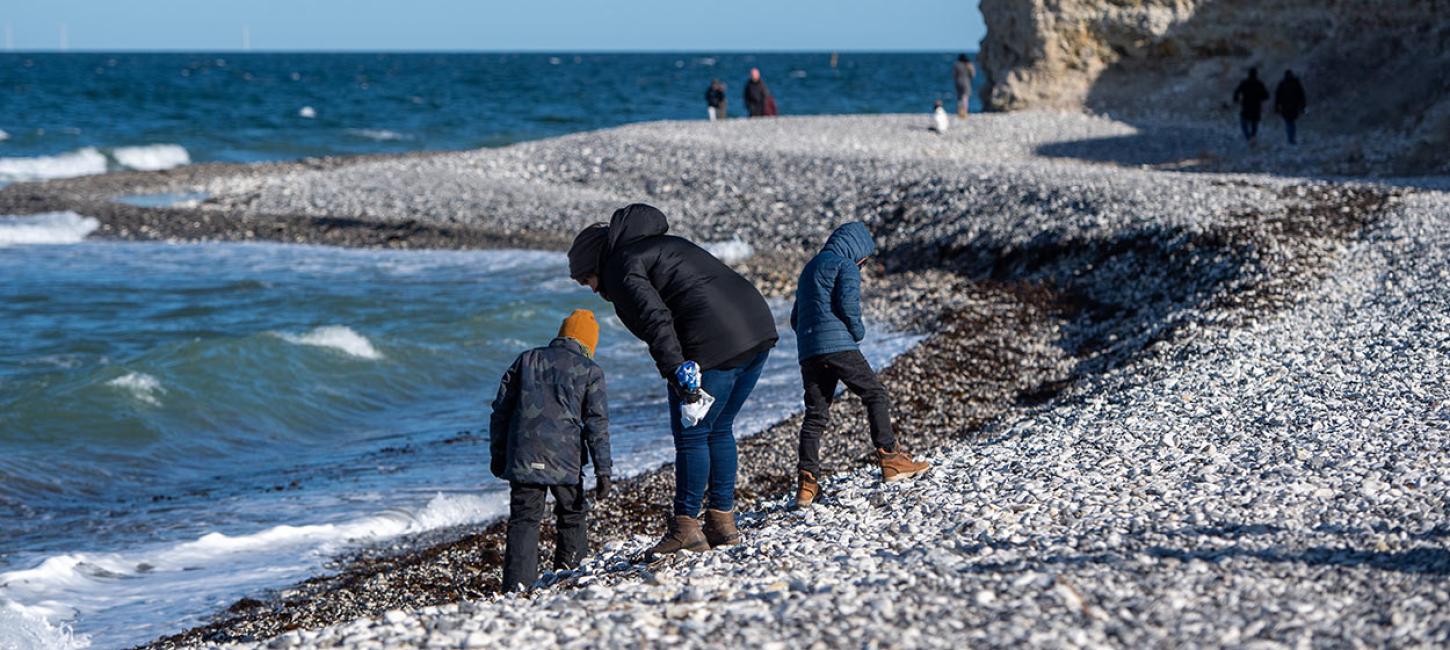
(152, 157)
(730, 252)
(162, 578)
(337, 337)
(141, 386)
(45, 228)
(21, 629)
(81, 162)
(379, 135)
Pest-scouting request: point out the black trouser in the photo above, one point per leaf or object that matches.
(820, 374)
(526, 510)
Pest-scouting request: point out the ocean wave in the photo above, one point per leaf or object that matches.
(152, 157)
(337, 337)
(379, 135)
(82, 162)
(21, 629)
(71, 585)
(45, 228)
(141, 386)
(730, 252)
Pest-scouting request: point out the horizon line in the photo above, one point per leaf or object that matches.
(254, 50)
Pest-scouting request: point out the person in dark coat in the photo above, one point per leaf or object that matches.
(1250, 95)
(715, 100)
(687, 306)
(549, 418)
(1289, 103)
(827, 321)
(758, 100)
(963, 72)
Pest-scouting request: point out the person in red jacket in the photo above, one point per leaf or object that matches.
(758, 100)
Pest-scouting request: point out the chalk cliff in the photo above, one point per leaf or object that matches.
(1370, 66)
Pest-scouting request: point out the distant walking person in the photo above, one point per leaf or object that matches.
(963, 72)
(758, 100)
(1289, 103)
(549, 419)
(715, 100)
(1250, 96)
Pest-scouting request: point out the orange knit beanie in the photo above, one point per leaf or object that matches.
(581, 327)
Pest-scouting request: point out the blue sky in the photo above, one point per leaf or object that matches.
(592, 25)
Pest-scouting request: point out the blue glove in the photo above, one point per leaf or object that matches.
(687, 379)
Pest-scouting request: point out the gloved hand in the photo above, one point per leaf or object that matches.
(602, 486)
(688, 397)
(687, 382)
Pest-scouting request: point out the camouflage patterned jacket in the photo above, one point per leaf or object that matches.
(550, 411)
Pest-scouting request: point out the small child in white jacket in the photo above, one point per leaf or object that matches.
(939, 118)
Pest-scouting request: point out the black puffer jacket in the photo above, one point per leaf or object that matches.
(678, 298)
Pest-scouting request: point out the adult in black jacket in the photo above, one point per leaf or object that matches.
(1250, 95)
(715, 100)
(757, 96)
(687, 306)
(1289, 103)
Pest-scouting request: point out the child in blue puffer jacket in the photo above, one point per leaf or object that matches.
(827, 321)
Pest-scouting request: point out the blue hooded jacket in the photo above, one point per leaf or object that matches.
(827, 312)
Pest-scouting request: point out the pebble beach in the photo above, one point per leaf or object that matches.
(1164, 407)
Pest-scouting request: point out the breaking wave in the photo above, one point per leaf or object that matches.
(33, 600)
(45, 228)
(82, 162)
(732, 251)
(337, 337)
(90, 160)
(141, 386)
(152, 157)
(379, 135)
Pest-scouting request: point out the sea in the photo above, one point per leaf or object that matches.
(71, 114)
(182, 425)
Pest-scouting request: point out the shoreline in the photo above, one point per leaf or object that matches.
(1038, 299)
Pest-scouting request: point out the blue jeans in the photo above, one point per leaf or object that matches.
(1289, 128)
(705, 453)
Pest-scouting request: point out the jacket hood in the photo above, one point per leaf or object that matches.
(572, 344)
(851, 241)
(634, 222)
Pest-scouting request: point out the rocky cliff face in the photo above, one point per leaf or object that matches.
(1369, 66)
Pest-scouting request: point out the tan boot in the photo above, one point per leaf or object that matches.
(808, 491)
(684, 535)
(720, 528)
(898, 466)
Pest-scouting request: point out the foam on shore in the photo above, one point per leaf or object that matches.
(45, 228)
(152, 157)
(82, 162)
(36, 600)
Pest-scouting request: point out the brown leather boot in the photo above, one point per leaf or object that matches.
(720, 528)
(808, 491)
(898, 466)
(684, 535)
